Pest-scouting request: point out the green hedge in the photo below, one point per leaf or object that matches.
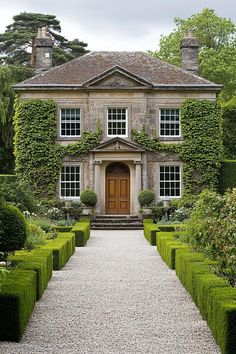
(82, 232)
(150, 229)
(227, 178)
(62, 248)
(17, 300)
(62, 228)
(215, 299)
(7, 178)
(38, 260)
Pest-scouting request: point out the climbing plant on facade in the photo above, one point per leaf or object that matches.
(201, 149)
(38, 156)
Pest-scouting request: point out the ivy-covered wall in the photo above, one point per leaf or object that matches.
(38, 157)
(201, 150)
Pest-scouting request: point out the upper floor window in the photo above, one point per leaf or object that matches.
(170, 181)
(70, 122)
(169, 122)
(70, 182)
(117, 122)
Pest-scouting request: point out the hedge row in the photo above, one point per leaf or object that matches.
(214, 297)
(150, 229)
(227, 177)
(82, 232)
(17, 299)
(62, 248)
(7, 178)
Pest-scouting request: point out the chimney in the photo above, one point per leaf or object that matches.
(43, 50)
(189, 52)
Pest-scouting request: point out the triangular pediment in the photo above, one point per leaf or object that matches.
(117, 77)
(118, 145)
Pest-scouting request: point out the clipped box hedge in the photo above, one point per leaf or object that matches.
(7, 178)
(82, 232)
(150, 229)
(38, 260)
(62, 228)
(17, 300)
(62, 247)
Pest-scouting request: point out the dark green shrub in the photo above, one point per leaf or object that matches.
(13, 229)
(88, 197)
(227, 177)
(150, 229)
(229, 128)
(146, 197)
(82, 232)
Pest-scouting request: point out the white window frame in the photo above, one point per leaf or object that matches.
(75, 121)
(168, 197)
(166, 122)
(126, 123)
(70, 181)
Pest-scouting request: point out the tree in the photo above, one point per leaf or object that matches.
(17, 42)
(217, 44)
(9, 75)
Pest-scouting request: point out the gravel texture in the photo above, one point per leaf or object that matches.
(115, 296)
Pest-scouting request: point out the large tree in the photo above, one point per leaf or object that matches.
(217, 42)
(17, 42)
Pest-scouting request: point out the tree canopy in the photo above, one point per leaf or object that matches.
(217, 44)
(17, 42)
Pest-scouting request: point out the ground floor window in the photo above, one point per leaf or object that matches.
(170, 181)
(70, 182)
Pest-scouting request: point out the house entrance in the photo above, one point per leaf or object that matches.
(117, 189)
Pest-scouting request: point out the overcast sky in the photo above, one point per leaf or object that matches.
(115, 25)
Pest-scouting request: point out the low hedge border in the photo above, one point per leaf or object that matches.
(82, 232)
(150, 229)
(62, 228)
(39, 261)
(17, 300)
(62, 247)
(213, 296)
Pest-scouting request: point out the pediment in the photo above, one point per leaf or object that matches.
(117, 77)
(118, 145)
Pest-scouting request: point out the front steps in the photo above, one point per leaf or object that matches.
(116, 222)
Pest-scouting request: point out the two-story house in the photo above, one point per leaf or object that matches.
(124, 91)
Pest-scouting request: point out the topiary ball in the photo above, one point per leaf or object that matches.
(13, 228)
(88, 197)
(146, 197)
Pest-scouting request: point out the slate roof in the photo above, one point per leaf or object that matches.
(82, 70)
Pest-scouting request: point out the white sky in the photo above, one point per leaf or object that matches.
(120, 25)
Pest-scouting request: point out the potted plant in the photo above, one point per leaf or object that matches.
(146, 198)
(89, 199)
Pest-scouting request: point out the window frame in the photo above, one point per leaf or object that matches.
(77, 198)
(126, 122)
(159, 123)
(173, 164)
(60, 123)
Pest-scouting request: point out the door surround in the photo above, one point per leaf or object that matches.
(117, 194)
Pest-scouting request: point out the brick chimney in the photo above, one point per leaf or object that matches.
(43, 50)
(189, 52)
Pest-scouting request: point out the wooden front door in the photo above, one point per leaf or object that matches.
(117, 189)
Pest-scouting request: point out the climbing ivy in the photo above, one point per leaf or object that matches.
(201, 149)
(38, 157)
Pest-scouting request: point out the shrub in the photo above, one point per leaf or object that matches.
(13, 231)
(36, 236)
(88, 197)
(146, 197)
(227, 177)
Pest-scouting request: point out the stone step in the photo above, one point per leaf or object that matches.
(116, 222)
(115, 227)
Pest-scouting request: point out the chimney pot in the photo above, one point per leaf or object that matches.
(43, 50)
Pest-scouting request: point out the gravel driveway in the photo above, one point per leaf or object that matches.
(115, 296)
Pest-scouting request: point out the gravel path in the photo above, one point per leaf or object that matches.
(115, 296)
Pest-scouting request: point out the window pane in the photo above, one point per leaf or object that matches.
(70, 122)
(117, 121)
(70, 181)
(169, 122)
(169, 181)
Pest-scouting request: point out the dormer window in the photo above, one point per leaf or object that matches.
(117, 122)
(169, 122)
(70, 122)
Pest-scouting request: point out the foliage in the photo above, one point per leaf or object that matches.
(146, 197)
(38, 157)
(216, 36)
(88, 197)
(212, 230)
(36, 236)
(13, 229)
(227, 178)
(19, 194)
(17, 42)
(229, 128)
(9, 75)
(201, 149)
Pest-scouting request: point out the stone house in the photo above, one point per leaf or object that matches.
(124, 91)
